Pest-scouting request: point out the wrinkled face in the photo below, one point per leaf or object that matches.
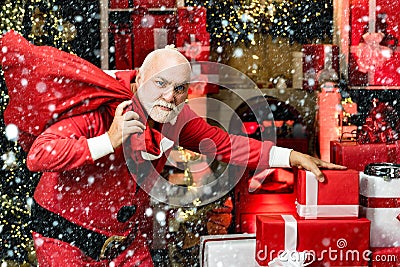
(163, 93)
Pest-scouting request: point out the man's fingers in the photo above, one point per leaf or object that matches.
(131, 115)
(329, 165)
(317, 172)
(120, 108)
(320, 163)
(132, 130)
(134, 123)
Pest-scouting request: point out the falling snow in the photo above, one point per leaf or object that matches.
(256, 37)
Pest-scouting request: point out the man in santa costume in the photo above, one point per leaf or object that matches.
(95, 138)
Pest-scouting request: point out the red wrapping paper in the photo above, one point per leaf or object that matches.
(356, 156)
(119, 4)
(143, 30)
(339, 188)
(314, 57)
(249, 203)
(387, 21)
(192, 20)
(330, 240)
(385, 257)
(123, 38)
(155, 3)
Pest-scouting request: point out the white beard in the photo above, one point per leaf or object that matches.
(164, 116)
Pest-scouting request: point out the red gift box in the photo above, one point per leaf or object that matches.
(325, 242)
(192, 20)
(119, 4)
(319, 62)
(336, 197)
(155, 3)
(374, 21)
(275, 195)
(385, 257)
(356, 156)
(205, 78)
(194, 46)
(143, 30)
(123, 38)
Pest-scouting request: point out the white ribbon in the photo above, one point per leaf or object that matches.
(290, 257)
(290, 232)
(335, 211)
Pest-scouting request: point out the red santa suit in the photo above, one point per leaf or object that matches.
(69, 103)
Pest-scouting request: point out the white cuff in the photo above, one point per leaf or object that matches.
(100, 146)
(279, 157)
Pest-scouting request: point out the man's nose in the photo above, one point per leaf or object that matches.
(168, 94)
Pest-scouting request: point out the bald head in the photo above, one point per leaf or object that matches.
(162, 59)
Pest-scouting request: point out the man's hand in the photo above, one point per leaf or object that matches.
(124, 125)
(303, 161)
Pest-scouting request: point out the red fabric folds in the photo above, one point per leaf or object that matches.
(46, 85)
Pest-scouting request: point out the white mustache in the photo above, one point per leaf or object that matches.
(164, 104)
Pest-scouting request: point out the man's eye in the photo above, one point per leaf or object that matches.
(179, 88)
(160, 83)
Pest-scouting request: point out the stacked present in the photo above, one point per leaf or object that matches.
(374, 57)
(377, 141)
(326, 230)
(151, 29)
(192, 38)
(380, 203)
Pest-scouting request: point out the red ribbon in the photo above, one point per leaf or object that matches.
(380, 202)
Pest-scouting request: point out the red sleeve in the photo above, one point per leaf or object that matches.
(63, 146)
(197, 135)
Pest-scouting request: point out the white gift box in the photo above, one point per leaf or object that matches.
(380, 203)
(228, 250)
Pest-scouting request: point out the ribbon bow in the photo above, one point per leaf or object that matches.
(289, 258)
(378, 126)
(370, 54)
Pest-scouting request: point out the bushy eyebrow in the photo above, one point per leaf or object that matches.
(167, 81)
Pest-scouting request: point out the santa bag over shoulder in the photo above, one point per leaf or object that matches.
(45, 85)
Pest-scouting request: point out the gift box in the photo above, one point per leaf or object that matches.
(228, 250)
(336, 197)
(155, 3)
(123, 41)
(120, 3)
(194, 46)
(204, 78)
(356, 156)
(146, 33)
(320, 63)
(385, 257)
(380, 203)
(192, 20)
(273, 194)
(323, 242)
(374, 36)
